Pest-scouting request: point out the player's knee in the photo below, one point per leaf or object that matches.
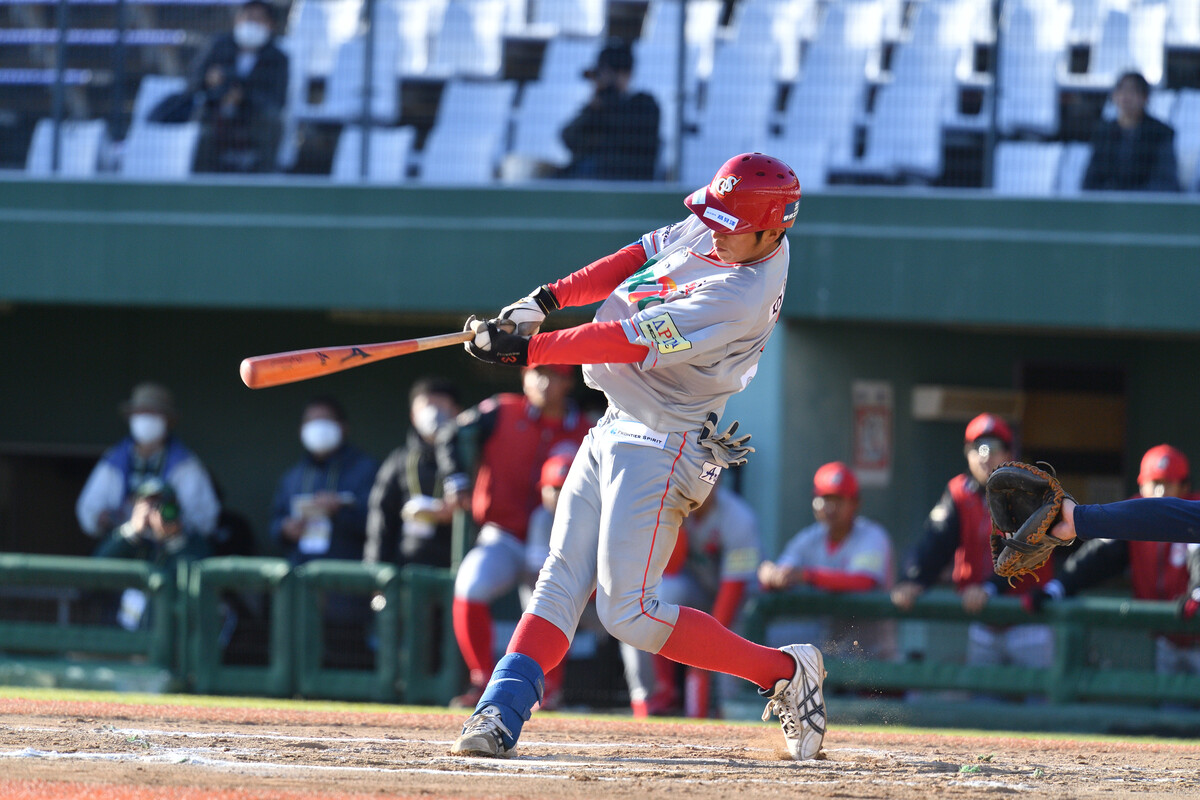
(632, 621)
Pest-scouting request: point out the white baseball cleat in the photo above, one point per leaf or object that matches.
(483, 735)
(799, 703)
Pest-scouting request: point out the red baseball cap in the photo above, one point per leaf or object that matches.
(835, 478)
(989, 425)
(554, 471)
(1164, 463)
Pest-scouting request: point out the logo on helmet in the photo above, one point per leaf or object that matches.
(723, 186)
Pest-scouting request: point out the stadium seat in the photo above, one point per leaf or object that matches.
(1183, 23)
(781, 23)
(316, 31)
(470, 41)
(580, 17)
(739, 96)
(410, 21)
(470, 132)
(905, 135)
(1072, 166)
(79, 148)
(1026, 169)
(1132, 39)
(824, 104)
(152, 90)
(1031, 48)
(343, 99)
(160, 151)
(387, 157)
(544, 110)
(1186, 121)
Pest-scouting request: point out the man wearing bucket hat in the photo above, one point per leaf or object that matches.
(151, 450)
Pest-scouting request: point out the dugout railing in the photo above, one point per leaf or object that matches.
(59, 627)
(1094, 682)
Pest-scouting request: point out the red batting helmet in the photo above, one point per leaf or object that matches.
(988, 425)
(835, 478)
(750, 192)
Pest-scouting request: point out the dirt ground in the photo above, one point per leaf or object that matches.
(84, 750)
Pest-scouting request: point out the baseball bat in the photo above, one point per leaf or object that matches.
(299, 365)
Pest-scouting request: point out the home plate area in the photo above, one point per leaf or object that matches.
(51, 749)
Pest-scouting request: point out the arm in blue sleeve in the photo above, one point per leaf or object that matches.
(1153, 519)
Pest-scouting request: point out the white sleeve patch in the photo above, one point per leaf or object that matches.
(661, 330)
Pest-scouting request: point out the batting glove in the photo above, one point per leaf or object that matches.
(496, 345)
(726, 450)
(530, 311)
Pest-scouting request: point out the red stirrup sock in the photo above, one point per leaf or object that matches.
(473, 630)
(539, 639)
(700, 641)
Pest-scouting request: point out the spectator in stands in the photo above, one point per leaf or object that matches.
(840, 552)
(715, 555)
(1134, 152)
(320, 505)
(1157, 570)
(513, 435)
(420, 485)
(958, 531)
(151, 450)
(156, 533)
(614, 136)
(320, 511)
(241, 83)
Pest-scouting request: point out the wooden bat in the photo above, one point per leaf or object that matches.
(299, 365)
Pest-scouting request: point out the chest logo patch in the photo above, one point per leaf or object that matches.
(665, 336)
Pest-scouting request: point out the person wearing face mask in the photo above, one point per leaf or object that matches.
(320, 511)
(151, 450)
(420, 484)
(241, 84)
(320, 505)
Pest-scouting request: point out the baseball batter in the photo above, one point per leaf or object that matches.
(686, 313)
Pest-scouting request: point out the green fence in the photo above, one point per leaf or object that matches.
(183, 641)
(1074, 692)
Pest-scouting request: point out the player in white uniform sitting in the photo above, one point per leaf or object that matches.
(686, 313)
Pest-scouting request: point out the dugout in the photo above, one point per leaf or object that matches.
(905, 314)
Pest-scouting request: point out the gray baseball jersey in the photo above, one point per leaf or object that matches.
(643, 468)
(705, 322)
(867, 549)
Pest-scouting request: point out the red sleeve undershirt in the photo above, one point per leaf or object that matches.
(832, 580)
(591, 343)
(596, 281)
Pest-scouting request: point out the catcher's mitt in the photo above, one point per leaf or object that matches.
(1024, 502)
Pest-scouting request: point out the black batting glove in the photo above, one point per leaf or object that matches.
(496, 345)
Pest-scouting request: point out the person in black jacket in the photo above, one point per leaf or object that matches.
(614, 136)
(1134, 152)
(241, 83)
(420, 484)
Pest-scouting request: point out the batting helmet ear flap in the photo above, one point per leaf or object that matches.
(750, 192)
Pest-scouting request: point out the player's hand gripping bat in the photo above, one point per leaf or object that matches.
(300, 365)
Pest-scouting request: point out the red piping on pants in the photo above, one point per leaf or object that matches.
(654, 536)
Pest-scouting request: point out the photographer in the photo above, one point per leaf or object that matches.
(154, 531)
(614, 136)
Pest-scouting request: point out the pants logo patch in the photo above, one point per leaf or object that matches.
(710, 472)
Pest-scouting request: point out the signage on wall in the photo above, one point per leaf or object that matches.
(872, 405)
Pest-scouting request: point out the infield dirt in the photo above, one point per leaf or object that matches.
(123, 751)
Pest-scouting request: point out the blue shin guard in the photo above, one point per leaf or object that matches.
(517, 684)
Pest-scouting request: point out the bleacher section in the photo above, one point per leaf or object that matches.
(892, 92)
